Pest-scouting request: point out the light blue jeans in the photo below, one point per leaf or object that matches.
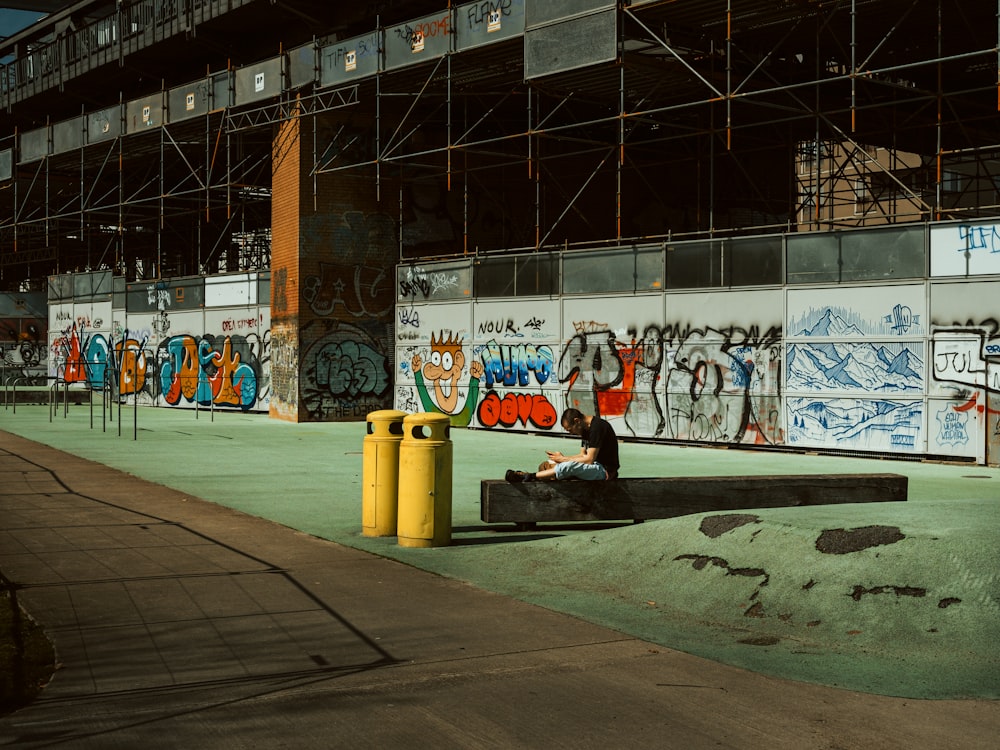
(577, 470)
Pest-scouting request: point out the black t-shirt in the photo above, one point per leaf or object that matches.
(602, 436)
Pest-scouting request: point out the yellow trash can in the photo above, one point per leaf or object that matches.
(425, 481)
(380, 475)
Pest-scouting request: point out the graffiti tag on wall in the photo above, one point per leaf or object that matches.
(224, 371)
(724, 385)
(344, 373)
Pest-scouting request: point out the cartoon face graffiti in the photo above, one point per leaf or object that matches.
(447, 360)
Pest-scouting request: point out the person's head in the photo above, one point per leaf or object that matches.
(573, 421)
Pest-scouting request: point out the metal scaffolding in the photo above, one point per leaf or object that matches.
(507, 125)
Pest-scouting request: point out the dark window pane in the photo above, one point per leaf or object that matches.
(264, 288)
(589, 271)
(883, 254)
(813, 258)
(754, 261)
(620, 270)
(494, 277)
(537, 275)
(692, 265)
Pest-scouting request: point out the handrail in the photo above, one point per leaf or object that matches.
(126, 30)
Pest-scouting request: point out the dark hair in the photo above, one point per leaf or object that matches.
(570, 416)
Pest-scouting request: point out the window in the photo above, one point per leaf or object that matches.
(434, 281)
(896, 253)
(634, 269)
(517, 276)
(813, 258)
(883, 254)
(693, 265)
(753, 261)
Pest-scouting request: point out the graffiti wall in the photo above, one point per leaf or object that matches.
(190, 343)
(80, 341)
(964, 369)
(514, 349)
(515, 365)
(346, 313)
(23, 336)
(723, 367)
(903, 368)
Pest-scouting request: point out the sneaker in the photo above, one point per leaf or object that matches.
(514, 476)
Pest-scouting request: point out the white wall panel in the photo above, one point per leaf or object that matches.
(611, 361)
(516, 342)
(230, 291)
(857, 312)
(964, 365)
(435, 366)
(965, 249)
(956, 427)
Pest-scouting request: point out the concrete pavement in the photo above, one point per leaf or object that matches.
(910, 612)
(182, 623)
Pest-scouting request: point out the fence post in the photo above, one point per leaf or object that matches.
(135, 407)
(118, 398)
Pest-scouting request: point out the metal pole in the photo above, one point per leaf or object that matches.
(378, 133)
(83, 192)
(448, 108)
(159, 225)
(48, 199)
(729, 75)
(534, 167)
(621, 145)
(940, 146)
(854, 64)
(121, 191)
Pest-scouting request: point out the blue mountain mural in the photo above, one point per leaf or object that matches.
(832, 325)
(854, 366)
(868, 424)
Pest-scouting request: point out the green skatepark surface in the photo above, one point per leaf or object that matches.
(898, 599)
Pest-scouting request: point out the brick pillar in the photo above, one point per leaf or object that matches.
(332, 282)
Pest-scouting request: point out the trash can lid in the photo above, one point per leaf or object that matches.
(427, 417)
(386, 415)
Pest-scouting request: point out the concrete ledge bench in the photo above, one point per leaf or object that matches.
(666, 497)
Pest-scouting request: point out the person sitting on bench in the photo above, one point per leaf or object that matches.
(597, 459)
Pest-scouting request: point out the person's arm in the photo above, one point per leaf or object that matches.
(585, 456)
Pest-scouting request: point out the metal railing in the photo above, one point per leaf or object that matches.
(108, 389)
(132, 27)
